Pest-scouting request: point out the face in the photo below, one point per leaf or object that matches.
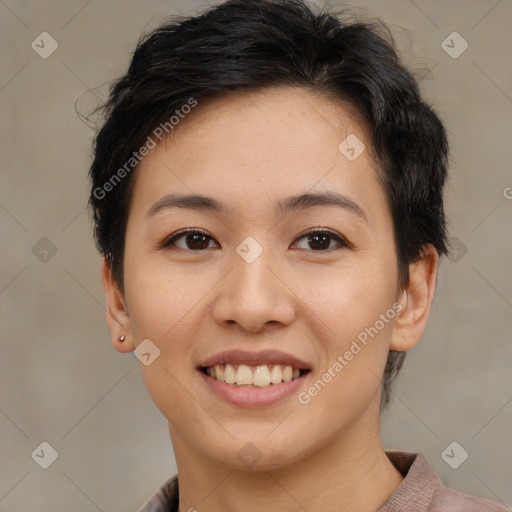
(261, 285)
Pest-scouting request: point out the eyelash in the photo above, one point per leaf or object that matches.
(343, 243)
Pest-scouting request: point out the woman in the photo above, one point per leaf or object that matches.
(267, 192)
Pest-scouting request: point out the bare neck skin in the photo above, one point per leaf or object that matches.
(351, 473)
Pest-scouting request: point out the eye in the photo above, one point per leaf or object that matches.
(320, 240)
(194, 240)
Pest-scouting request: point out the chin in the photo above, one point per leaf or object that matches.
(260, 452)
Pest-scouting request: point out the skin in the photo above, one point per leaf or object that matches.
(251, 150)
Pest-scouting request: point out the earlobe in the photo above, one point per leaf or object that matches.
(117, 317)
(416, 300)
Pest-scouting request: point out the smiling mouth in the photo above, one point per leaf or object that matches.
(242, 375)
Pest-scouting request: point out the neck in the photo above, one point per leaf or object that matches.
(348, 474)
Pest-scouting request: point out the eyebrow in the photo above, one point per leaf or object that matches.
(294, 203)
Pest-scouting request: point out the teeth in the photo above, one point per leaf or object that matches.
(277, 374)
(229, 375)
(245, 376)
(261, 376)
(219, 373)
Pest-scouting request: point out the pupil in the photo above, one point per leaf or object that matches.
(316, 236)
(195, 238)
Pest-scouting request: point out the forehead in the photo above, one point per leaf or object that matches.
(254, 146)
(261, 121)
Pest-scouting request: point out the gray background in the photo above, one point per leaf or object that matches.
(60, 379)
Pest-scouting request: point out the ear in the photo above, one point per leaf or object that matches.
(117, 317)
(415, 301)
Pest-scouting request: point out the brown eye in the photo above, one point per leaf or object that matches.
(193, 240)
(319, 241)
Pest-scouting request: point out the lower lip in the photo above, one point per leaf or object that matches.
(253, 397)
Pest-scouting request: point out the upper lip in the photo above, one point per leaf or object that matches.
(255, 358)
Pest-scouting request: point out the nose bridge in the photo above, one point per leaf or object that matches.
(253, 295)
(252, 279)
(252, 263)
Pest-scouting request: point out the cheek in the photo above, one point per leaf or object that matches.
(347, 298)
(161, 304)
(356, 352)
(347, 304)
(158, 297)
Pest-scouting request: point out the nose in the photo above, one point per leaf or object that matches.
(254, 295)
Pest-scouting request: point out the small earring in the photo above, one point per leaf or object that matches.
(121, 338)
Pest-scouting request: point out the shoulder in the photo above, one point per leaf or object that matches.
(446, 499)
(165, 499)
(422, 490)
